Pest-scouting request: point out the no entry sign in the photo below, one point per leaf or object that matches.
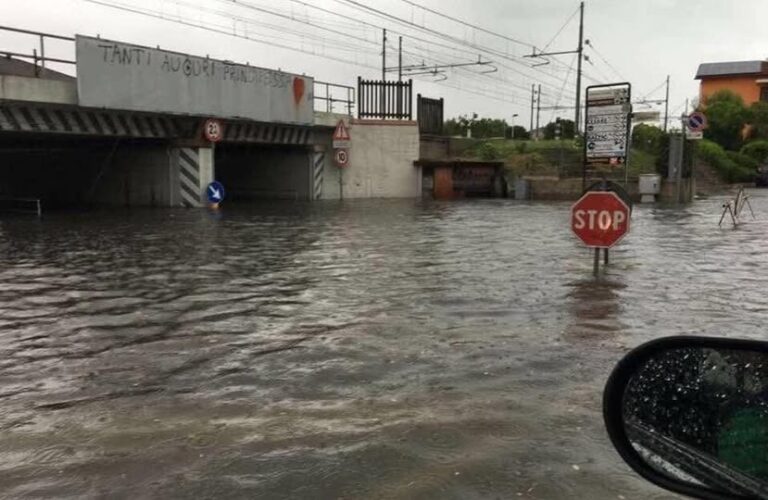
(600, 219)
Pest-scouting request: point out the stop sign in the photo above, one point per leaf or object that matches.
(600, 219)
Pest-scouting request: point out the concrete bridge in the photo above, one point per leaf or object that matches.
(127, 130)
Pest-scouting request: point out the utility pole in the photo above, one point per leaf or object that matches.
(400, 74)
(580, 51)
(384, 56)
(533, 101)
(666, 106)
(383, 102)
(580, 54)
(538, 111)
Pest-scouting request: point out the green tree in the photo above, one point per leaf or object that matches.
(648, 138)
(519, 133)
(453, 127)
(758, 119)
(567, 129)
(727, 115)
(488, 127)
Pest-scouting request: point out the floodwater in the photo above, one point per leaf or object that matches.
(372, 349)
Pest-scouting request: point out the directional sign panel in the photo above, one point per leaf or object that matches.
(607, 121)
(215, 192)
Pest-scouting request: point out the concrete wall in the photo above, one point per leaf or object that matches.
(569, 189)
(265, 172)
(139, 175)
(381, 160)
(434, 147)
(19, 88)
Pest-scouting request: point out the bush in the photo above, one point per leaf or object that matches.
(487, 152)
(743, 161)
(730, 166)
(757, 150)
(649, 138)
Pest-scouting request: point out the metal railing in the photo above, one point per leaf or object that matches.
(328, 95)
(37, 56)
(382, 99)
(21, 205)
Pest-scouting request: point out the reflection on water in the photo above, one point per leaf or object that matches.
(377, 349)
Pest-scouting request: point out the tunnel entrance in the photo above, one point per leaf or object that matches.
(82, 171)
(257, 171)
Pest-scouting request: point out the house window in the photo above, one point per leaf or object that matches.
(764, 93)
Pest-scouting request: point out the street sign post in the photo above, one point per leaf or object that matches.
(600, 219)
(341, 136)
(215, 193)
(607, 125)
(213, 130)
(694, 135)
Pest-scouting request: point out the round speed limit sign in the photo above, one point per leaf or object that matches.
(213, 130)
(341, 158)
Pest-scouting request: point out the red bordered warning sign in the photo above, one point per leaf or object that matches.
(341, 136)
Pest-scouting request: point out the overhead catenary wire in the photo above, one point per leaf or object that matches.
(432, 42)
(442, 35)
(566, 23)
(221, 30)
(465, 23)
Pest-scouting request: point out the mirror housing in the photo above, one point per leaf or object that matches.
(651, 356)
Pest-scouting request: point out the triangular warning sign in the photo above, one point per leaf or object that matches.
(341, 133)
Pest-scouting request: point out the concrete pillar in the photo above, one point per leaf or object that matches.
(318, 171)
(192, 169)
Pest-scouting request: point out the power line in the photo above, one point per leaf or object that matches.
(386, 15)
(340, 45)
(465, 23)
(186, 22)
(565, 82)
(598, 54)
(408, 35)
(560, 30)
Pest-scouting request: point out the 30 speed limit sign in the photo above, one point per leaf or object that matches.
(341, 157)
(213, 130)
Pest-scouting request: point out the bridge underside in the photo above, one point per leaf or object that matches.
(69, 155)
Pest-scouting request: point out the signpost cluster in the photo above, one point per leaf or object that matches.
(341, 140)
(606, 137)
(601, 217)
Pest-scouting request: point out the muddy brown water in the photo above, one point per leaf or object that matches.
(375, 349)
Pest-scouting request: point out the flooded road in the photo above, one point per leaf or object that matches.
(375, 349)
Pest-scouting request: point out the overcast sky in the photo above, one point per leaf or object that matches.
(641, 41)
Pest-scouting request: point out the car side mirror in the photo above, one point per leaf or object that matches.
(690, 414)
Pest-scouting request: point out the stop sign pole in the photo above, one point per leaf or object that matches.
(600, 219)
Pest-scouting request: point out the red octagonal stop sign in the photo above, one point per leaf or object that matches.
(600, 219)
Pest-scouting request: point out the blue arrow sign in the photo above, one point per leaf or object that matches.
(215, 192)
